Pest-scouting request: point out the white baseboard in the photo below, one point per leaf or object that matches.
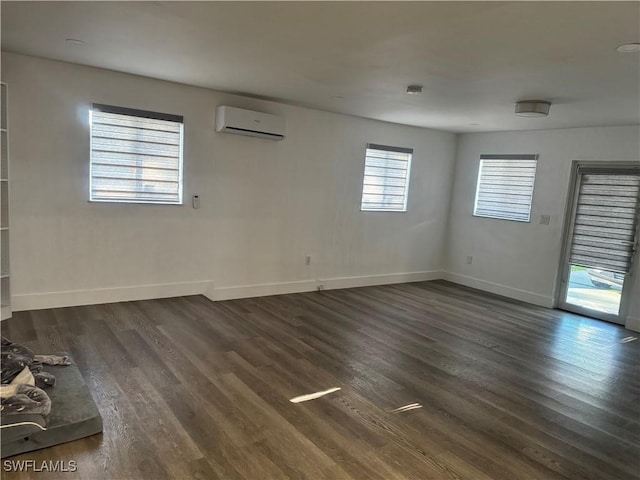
(515, 293)
(259, 290)
(633, 323)
(37, 301)
(264, 289)
(388, 279)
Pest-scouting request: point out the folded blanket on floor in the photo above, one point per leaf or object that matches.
(15, 357)
(23, 379)
(27, 400)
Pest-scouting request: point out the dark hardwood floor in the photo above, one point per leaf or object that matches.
(189, 388)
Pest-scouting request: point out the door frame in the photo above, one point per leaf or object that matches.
(617, 167)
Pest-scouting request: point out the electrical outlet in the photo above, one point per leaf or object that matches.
(469, 259)
(307, 260)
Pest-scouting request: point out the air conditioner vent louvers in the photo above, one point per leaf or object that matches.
(250, 123)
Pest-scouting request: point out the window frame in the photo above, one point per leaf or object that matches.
(505, 157)
(387, 148)
(140, 114)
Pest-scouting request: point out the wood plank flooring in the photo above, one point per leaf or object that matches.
(189, 388)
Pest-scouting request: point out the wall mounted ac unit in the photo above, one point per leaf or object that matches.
(247, 122)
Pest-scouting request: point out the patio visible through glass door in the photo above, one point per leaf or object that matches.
(596, 289)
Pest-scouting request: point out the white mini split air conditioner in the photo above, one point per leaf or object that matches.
(247, 122)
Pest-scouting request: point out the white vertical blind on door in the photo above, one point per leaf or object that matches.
(605, 221)
(136, 156)
(505, 186)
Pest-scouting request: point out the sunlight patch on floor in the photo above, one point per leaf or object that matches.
(406, 408)
(313, 396)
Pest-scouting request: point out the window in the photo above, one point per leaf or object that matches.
(386, 178)
(136, 156)
(505, 187)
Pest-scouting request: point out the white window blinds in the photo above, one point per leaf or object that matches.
(505, 187)
(605, 221)
(136, 156)
(386, 178)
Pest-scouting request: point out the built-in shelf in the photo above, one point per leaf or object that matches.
(5, 279)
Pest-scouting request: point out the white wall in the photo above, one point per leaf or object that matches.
(264, 204)
(516, 259)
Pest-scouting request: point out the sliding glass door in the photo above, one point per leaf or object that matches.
(600, 240)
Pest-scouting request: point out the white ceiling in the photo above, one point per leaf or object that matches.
(474, 59)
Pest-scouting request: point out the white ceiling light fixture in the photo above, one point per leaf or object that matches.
(74, 41)
(532, 108)
(629, 48)
(414, 89)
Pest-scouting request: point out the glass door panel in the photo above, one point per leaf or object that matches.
(595, 289)
(600, 241)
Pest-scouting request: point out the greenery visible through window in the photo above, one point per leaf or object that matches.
(136, 156)
(386, 178)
